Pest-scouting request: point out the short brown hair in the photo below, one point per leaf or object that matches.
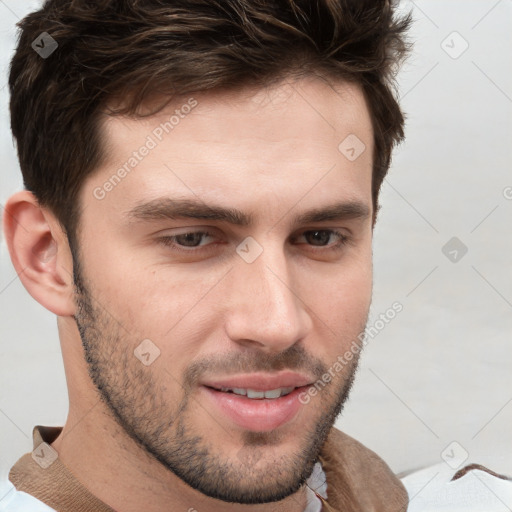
(139, 49)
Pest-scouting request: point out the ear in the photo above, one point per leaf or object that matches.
(40, 253)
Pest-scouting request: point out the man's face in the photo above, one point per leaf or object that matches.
(218, 309)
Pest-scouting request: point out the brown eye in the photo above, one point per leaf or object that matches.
(322, 238)
(318, 237)
(189, 240)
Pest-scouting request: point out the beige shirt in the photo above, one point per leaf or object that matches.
(356, 478)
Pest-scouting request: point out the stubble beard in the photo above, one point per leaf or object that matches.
(138, 403)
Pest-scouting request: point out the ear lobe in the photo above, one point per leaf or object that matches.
(40, 253)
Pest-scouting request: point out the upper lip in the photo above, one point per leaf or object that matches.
(261, 381)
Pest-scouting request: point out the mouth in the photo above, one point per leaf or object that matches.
(254, 394)
(255, 410)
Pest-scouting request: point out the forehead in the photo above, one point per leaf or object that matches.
(285, 139)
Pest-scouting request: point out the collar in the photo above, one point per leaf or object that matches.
(42, 475)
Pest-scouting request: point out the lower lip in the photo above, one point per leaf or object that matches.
(259, 415)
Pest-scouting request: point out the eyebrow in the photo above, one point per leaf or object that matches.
(174, 209)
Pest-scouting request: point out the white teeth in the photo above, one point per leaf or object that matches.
(286, 391)
(251, 393)
(255, 394)
(273, 393)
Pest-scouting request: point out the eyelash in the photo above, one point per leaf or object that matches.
(170, 241)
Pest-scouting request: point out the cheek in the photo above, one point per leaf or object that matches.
(340, 304)
(168, 305)
(345, 305)
(342, 286)
(136, 295)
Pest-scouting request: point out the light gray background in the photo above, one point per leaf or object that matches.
(441, 370)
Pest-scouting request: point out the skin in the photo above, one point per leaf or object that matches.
(136, 434)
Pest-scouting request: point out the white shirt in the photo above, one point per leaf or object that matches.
(477, 491)
(12, 500)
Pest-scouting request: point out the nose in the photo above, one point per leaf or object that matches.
(266, 308)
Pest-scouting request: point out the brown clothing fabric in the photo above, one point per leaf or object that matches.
(55, 485)
(357, 479)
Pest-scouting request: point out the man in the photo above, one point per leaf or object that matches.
(202, 184)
